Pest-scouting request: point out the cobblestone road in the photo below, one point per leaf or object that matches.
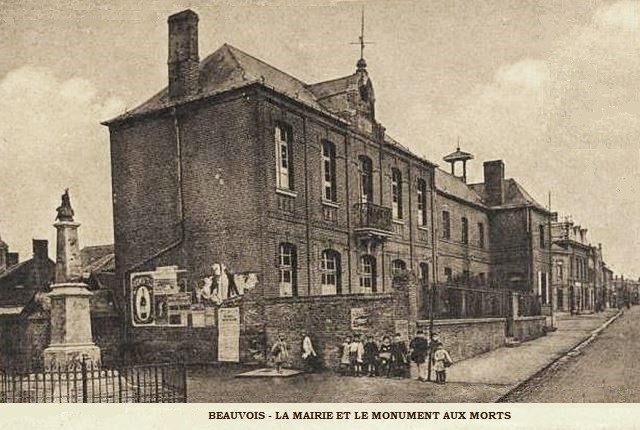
(606, 370)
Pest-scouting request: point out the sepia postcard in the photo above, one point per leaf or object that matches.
(295, 211)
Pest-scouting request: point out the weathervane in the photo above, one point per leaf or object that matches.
(361, 41)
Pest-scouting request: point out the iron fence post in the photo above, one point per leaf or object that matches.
(83, 372)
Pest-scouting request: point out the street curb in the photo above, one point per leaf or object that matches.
(575, 350)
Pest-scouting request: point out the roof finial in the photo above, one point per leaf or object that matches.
(458, 148)
(361, 63)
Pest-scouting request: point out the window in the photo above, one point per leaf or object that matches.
(330, 272)
(482, 278)
(396, 193)
(424, 273)
(466, 276)
(446, 225)
(448, 274)
(559, 272)
(397, 267)
(284, 157)
(465, 230)
(366, 179)
(287, 265)
(541, 233)
(368, 274)
(422, 202)
(329, 171)
(481, 235)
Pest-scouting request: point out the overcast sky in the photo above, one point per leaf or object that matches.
(550, 87)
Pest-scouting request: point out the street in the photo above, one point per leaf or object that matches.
(607, 370)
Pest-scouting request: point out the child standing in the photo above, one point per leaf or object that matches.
(385, 356)
(356, 352)
(399, 357)
(441, 360)
(370, 356)
(345, 362)
(280, 353)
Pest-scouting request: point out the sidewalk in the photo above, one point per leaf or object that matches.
(482, 379)
(490, 376)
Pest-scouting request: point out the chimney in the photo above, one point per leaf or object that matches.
(494, 182)
(40, 249)
(12, 259)
(183, 60)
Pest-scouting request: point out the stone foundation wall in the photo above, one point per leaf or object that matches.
(327, 319)
(465, 338)
(528, 328)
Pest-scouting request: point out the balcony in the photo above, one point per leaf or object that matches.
(372, 221)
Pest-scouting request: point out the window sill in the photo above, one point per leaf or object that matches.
(423, 227)
(285, 192)
(397, 221)
(330, 204)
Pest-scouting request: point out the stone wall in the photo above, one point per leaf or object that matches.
(528, 328)
(327, 319)
(465, 338)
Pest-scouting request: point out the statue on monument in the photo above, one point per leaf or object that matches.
(65, 212)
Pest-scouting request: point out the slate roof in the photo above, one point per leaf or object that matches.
(453, 186)
(230, 68)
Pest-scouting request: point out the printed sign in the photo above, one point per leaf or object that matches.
(229, 334)
(156, 299)
(359, 319)
(142, 305)
(402, 327)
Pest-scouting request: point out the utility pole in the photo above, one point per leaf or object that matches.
(551, 292)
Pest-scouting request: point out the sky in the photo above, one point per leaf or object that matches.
(550, 87)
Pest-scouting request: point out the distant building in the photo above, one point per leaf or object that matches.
(583, 281)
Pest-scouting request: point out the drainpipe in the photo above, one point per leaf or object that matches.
(174, 244)
(434, 264)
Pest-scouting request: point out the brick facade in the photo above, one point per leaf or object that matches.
(197, 180)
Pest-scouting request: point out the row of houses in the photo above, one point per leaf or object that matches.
(249, 204)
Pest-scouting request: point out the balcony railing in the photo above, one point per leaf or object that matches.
(371, 217)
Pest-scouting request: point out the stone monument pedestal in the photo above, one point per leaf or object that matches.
(71, 339)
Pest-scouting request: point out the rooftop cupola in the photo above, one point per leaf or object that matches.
(456, 156)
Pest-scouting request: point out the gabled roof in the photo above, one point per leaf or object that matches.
(514, 195)
(230, 68)
(455, 187)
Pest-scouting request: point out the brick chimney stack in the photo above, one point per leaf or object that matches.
(40, 249)
(494, 182)
(183, 60)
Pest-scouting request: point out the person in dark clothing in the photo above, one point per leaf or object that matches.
(384, 354)
(399, 354)
(419, 353)
(370, 356)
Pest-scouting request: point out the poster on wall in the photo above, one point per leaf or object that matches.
(142, 305)
(157, 299)
(402, 327)
(229, 334)
(359, 319)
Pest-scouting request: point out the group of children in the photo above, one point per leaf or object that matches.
(389, 358)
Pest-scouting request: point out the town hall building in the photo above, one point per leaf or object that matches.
(249, 204)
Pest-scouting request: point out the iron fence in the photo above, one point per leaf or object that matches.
(84, 382)
(450, 301)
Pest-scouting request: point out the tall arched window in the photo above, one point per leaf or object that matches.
(329, 171)
(396, 193)
(397, 267)
(366, 179)
(368, 274)
(424, 273)
(422, 202)
(284, 156)
(287, 270)
(330, 272)
(465, 230)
